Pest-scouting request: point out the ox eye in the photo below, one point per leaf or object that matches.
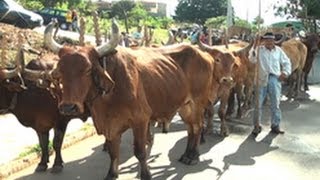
(217, 60)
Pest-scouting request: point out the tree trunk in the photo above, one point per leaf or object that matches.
(126, 23)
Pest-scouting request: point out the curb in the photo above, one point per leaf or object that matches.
(19, 164)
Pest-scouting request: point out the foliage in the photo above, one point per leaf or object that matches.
(121, 8)
(221, 22)
(299, 9)
(165, 22)
(138, 15)
(199, 11)
(31, 4)
(104, 25)
(258, 20)
(306, 10)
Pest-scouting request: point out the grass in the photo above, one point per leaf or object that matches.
(35, 149)
(86, 127)
(160, 35)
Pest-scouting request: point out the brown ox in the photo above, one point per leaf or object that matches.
(235, 63)
(297, 52)
(133, 87)
(312, 41)
(36, 108)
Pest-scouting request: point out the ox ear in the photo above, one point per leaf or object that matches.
(13, 86)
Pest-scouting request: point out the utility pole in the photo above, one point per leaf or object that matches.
(229, 22)
(257, 71)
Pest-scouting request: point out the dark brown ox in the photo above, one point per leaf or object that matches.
(234, 70)
(134, 87)
(36, 108)
(312, 41)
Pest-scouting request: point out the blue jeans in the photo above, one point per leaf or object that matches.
(273, 89)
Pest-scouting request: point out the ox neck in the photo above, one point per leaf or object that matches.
(92, 95)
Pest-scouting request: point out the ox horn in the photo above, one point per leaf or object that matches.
(247, 48)
(171, 38)
(11, 73)
(7, 74)
(283, 38)
(108, 47)
(48, 37)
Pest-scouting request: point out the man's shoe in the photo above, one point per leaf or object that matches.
(256, 130)
(277, 130)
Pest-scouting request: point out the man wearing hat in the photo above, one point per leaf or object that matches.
(274, 67)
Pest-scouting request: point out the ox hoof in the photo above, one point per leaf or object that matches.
(224, 133)
(110, 177)
(146, 176)
(188, 160)
(202, 139)
(41, 168)
(56, 169)
(104, 149)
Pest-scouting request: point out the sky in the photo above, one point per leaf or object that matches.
(243, 11)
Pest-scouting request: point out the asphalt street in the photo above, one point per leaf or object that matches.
(294, 155)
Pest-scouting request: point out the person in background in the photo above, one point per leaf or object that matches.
(204, 37)
(274, 67)
(75, 26)
(137, 36)
(69, 20)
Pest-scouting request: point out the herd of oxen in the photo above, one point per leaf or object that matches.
(122, 87)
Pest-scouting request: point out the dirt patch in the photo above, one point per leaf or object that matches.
(30, 37)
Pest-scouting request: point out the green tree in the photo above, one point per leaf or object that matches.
(306, 10)
(221, 22)
(138, 15)
(121, 9)
(258, 20)
(39, 4)
(31, 4)
(198, 11)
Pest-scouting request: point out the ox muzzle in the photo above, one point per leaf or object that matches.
(227, 81)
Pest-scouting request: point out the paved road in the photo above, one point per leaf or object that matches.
(294, 155)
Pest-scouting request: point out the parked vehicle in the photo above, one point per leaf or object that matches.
(13, 13)
(49, 13)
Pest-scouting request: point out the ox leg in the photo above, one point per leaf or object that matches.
(140, 151)
(247, 99)
(113, 150)
(150, 136)
(208, 116)
(222, 115)
(230, 108)
(299, 79)
(292, 85)
(57, 144)
(194, 121)
(306, 86)
(191, 155)
(44, 142)
(240, 98)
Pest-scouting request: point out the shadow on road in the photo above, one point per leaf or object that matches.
(96, 165)
(248, 150)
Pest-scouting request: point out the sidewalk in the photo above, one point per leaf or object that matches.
(15, 138)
